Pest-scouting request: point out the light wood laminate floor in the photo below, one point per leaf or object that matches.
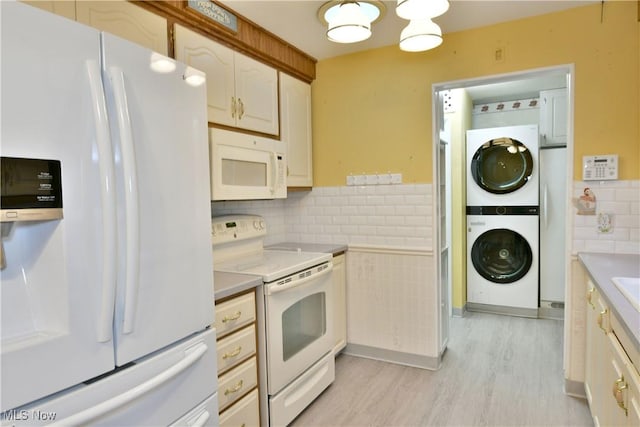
(497, 371)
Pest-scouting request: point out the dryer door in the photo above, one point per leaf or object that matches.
(501, 256)
(502, 165)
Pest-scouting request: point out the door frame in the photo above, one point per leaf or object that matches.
(437, 120)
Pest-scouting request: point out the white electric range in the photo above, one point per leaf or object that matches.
(297, 323)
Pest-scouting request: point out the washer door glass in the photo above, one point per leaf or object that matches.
(502, 165)
(501, 255)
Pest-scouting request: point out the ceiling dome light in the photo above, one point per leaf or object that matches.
(349, 24)
(420, 35)
(421, 9)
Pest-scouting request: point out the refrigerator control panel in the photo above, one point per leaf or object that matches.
(31, 189)
(600, 168)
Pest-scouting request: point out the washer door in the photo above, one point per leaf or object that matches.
(502, 165)
(501, 256)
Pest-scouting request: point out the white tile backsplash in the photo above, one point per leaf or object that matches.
(621, 199)
(402, 215)
(386, 215)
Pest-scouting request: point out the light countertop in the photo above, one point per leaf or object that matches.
(229, 284)
(601, 268)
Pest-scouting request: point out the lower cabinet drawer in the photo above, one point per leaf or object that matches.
(236, 383)
(236, 348)
(244, 413)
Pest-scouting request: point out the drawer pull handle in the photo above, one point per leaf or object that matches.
(601, 319)
(589, 297)
(233, 317)
(618, 387)
(234, 353)
(235, 389)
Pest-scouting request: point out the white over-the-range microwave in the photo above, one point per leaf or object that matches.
(246, 167)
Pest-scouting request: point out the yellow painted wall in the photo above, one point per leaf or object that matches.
(372, 110)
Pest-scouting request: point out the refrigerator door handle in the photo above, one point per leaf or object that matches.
(201, 420)
(108, 200)
(131, 198)
(191, 356)
(545, 202)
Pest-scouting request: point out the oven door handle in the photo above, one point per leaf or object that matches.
(274, 289)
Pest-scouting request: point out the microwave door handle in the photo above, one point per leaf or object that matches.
(274, 172)
(108, 201)
(132, 229)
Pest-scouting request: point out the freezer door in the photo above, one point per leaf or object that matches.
(57, 286)
(158, 390)
(159, 133)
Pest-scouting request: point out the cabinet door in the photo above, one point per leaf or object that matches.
(616, 385)
(339, 278)
(596, 342)
(295, 111)
(256, 95)
(126, 20)
(553, 117)
(59, 7)
(216, 61)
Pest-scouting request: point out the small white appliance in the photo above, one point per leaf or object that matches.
(502, 166)
(246, 167)
(502, 260)
(553, 201)
(600, 168)
(106, 304)
(298, 320)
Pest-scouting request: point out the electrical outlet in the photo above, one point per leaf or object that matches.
(384, 178)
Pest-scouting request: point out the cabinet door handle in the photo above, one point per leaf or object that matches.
(601, 319)
(233, 107)
(234, 353)
(590, 296)
(234, 389)
(233, 317)
(618, 386)
(240, 108)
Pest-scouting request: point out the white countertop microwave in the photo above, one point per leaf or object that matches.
(246, 167)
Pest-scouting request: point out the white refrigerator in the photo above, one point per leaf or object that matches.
(105, 309)
(553, 196)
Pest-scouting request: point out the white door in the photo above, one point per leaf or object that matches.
(165, 267)
(56, 331)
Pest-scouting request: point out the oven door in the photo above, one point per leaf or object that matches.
(299, 323)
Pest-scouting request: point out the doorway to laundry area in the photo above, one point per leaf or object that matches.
(458, 106)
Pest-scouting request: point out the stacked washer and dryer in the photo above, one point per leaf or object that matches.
(502, 220)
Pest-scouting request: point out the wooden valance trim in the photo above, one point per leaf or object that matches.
(251, 39)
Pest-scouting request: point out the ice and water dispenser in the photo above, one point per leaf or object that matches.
(31, 190)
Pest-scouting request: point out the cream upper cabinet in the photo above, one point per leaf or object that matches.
(295, 111)
(553, 117)
(241, 92)
(126, 20)
(59, 7)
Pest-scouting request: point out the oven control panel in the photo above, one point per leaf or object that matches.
(230, 228)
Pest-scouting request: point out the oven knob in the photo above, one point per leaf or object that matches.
(256, 225)
(261, 225)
